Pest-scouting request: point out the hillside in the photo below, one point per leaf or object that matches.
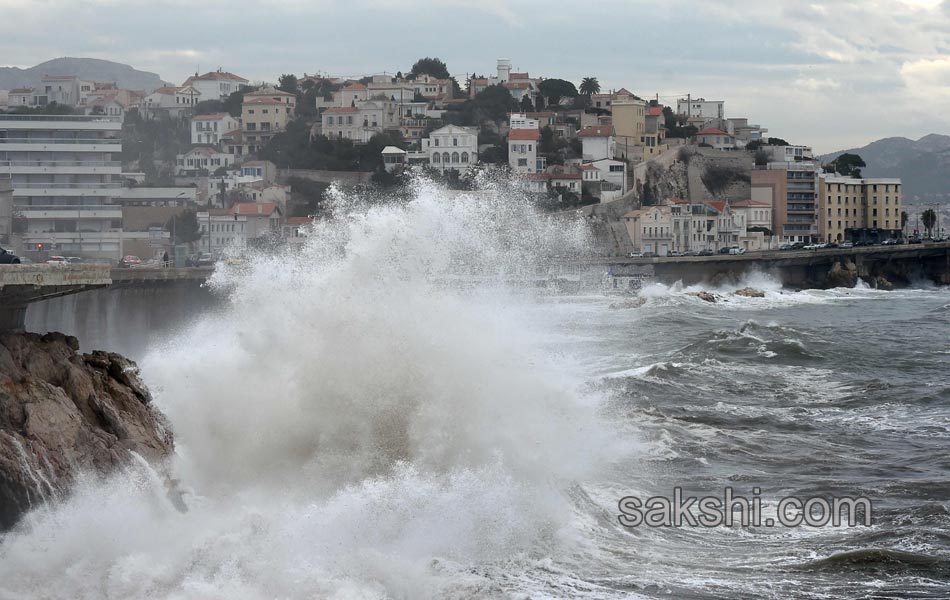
(924, 165)
(87, 68)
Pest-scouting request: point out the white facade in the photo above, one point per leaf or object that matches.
(209, 129)
(701, 108)
(216, 85)
(173, 100)
(65, 182)
(202, 158)
(451, 147)
(598, 142)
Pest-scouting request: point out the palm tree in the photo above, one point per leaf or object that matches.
(589, 86)
(929, 217)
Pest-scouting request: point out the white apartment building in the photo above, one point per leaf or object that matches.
(65, 182)
(216, 85)
(523, 151)
(174, 101)
(701, 108)
(209, 129)
(598, 142)
(201, 158)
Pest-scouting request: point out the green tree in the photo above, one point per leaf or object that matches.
(777, 142)
(232, 104)
(184, 227)
(589, 86)
(288, 83)
(929, 219)
(555, 89)
(52, 108)
(209, 107)
(526, 104)
(430, 66)
(848, 165)
(904, 219)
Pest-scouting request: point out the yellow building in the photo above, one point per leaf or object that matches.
(263, 114)
(629, 120)
(872, 205)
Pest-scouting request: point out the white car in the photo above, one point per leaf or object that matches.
(736, 250)
(635, 255)
(57, 260)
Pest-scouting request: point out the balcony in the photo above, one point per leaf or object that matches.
(61, 122)
(70, 212)
(49, 189)
(63, 167)
(60, 144)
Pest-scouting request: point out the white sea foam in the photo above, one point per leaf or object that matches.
(357, 414)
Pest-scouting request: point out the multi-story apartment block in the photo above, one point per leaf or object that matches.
(859, 209)
(791, 189)
(173, 101)
(65, 182)
(263, 114)
(701, 108)
(210, 129)
(523, 151)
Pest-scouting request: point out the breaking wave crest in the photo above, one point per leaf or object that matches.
(369, 417)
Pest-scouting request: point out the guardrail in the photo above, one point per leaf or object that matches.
(62, 118)
(32, 185)
(60, 163)
(105, 141)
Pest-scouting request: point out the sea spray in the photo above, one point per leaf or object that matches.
(361, 411)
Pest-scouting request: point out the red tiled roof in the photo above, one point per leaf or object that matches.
(565, 175)
(298, 221)
(250, 209)
(354, 86)
(655, 111)
(524, 134)
(678, 201)
(60, 77)
(211, 117)
(718, 205)
(517, 76)
(597, 131)
(341, 109)
(713, 131)
(215, 76)
(480, 81)
(167, 90)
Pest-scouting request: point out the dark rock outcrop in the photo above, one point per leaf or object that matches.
(62, 412)
(706, 296)
(842, 275)
(750, 292)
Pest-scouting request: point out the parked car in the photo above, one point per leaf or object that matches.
(846, 245)
(202, 259)
(889, 242)
(129, 261)
(915, 240)
(73, 260)
(706, 252)
(724, 250)
(798, 246)
(8, 258)
(635, 255)
(784, 247)
(57, 260)
(736, 250)
(649, 255)
(675, 253)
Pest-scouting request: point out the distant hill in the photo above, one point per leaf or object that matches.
(924, 165)
(87, 68)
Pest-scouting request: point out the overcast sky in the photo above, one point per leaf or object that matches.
(831, 73)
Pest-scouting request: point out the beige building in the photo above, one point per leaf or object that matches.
(859, 209)
(263, 114)
(629, 120)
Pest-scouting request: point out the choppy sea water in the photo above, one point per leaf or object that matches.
(349, 426)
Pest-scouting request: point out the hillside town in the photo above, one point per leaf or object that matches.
(218, 163)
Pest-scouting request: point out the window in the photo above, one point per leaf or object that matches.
(455, 157)
(445, 157)
(464, 157)
(436, 142)
(522, 162)
(455, 141)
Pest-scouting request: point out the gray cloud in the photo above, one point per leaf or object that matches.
(833, 73)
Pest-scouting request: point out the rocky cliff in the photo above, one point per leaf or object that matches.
(62, 412)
